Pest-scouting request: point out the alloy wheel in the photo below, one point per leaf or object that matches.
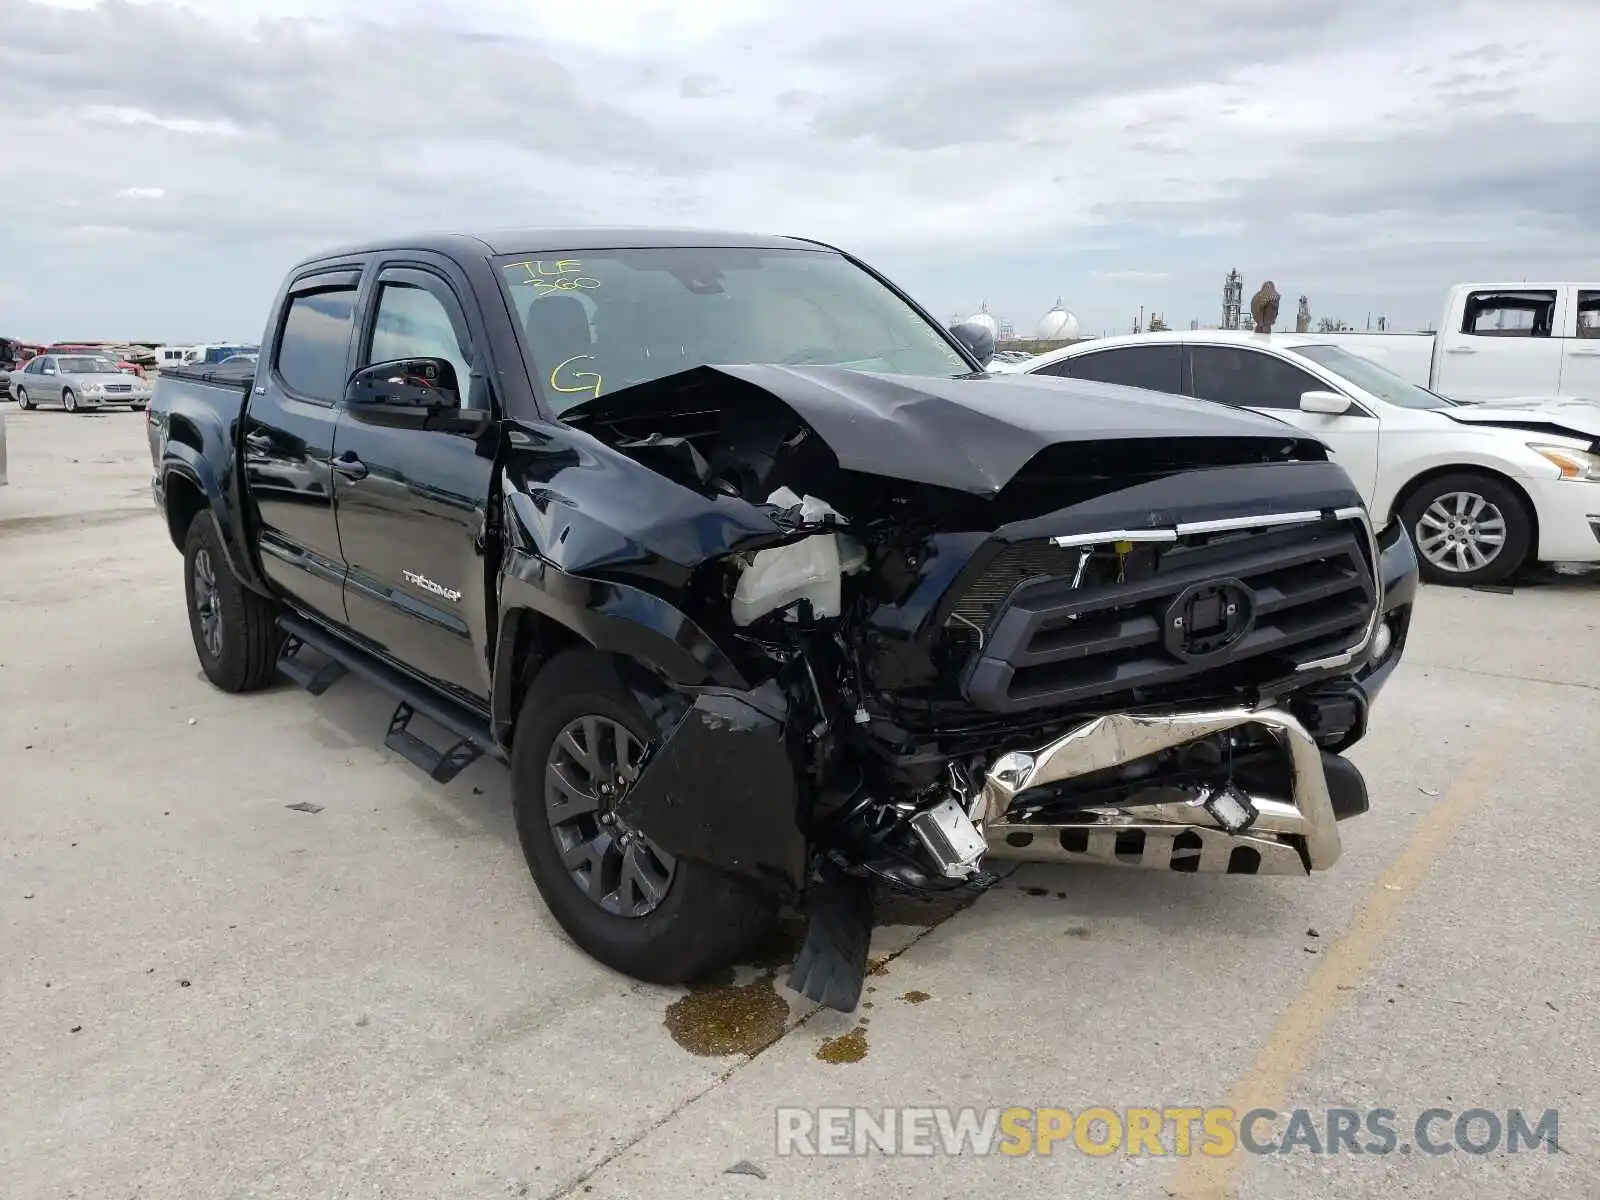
(207, 603)
(592, 763)
(1460, 532)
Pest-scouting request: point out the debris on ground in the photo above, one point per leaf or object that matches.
(305, 806)
(745, 1167)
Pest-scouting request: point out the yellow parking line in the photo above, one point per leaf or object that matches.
(1348, 960)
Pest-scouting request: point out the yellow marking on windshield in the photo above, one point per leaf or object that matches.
(593, 389)
(547, 277)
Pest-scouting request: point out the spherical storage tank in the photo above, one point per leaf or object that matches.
(1057, 325)
(985, 319)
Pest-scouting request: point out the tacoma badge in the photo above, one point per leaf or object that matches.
(428, 585)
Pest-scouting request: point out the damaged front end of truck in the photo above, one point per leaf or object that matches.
(892, 630)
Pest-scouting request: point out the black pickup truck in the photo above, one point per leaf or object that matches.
(768, 594)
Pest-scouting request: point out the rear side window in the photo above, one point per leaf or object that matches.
(1155, 368)
(1510, 314)
(315, 341)
(1248, 378)
(1589, 314)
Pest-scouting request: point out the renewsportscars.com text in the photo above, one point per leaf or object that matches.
(1169, 1131)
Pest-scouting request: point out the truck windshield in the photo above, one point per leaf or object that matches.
(596, 321)
(1380, 381)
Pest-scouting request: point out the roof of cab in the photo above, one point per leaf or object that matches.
(548, 240)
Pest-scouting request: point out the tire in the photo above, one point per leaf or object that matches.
(704, 919)
(239, 652)
(22, 399)
(1452, 521)
(69, 400)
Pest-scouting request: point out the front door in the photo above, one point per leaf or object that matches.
(288, 440)
(1505, 345)
(413, 504)
(1249, 378)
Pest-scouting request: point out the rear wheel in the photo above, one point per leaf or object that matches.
(235, 631)
(1469, 529)
(627, 903)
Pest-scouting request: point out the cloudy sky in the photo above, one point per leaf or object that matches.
(165, 162)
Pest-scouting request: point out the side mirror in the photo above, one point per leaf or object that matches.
(1330, 403)
(412, 393)
(47, 370)
(977, 337)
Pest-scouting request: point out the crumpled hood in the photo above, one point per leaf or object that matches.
(972, 434)
(1580, 416)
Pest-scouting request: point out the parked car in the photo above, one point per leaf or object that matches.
(1482, 488)
(78, 382)
(857, 615)
(1498, 341)
(215, 353)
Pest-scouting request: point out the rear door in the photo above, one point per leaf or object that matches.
(413, 504)
(288, 439)
(1271, 385)
(1580, 343)
(1504, 344)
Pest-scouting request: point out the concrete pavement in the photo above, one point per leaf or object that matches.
(207, 993)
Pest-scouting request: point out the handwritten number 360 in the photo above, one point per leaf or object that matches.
(568, 283)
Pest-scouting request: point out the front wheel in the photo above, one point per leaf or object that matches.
(235, 631)
(625, 902)
(1468, 529)
(22, 399)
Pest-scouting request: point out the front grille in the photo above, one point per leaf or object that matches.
(1243, 607)
(119, 388)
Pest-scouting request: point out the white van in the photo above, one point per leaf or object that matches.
(171, 356)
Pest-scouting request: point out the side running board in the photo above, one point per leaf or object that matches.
(473, 736)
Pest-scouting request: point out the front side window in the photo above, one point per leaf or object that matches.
(1510, 314)
(1248, 378)
(412, 322)
(1155, 368)
(315, 340)
(596, 321)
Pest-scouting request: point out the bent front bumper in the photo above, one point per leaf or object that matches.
(1290, 835)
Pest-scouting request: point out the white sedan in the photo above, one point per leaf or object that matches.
(1482, 488)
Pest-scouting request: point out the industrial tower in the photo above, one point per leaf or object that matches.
(1232, 300)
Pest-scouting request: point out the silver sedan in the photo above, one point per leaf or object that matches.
(77, 382)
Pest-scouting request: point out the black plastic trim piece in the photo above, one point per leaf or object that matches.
(469, 727)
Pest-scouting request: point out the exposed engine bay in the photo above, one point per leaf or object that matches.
(962, 639)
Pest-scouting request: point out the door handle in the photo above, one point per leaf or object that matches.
(1584, 353)
(350, 465)
(259, 442)
(1459, 350)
